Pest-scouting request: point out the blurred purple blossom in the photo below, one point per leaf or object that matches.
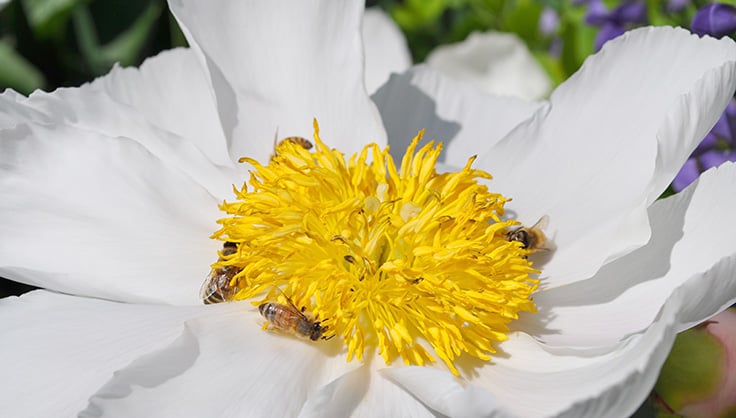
(717, 147)
(549, 21)
(617, 21)
(676, 6)
(715, 19)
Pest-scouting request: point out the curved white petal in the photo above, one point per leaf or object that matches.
(364, 392)
(340, 397)
(692, 240)
(614, 136)
(59, 349)
(385, 48)
(222, 365)
(101, 216)
(168, 118)
(527, 381)
(270, 76)
(172, 92)
(445, 393)
(467, 121)
(494, 62)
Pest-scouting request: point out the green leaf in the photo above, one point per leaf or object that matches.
(48, 17)
(16, 72)
(126, 48)
(415, 14)
(578, 40)
(524, 20)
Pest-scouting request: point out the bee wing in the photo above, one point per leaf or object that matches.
(296, 310)
(542, 223)
(540, 226)
(209, 288)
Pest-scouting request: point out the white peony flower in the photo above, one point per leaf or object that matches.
(385, 48)
(495, 62)
(111, 190)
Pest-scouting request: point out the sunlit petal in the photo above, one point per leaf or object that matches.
(267, 80)
(611, 141)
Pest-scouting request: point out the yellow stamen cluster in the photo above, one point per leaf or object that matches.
(403, 260)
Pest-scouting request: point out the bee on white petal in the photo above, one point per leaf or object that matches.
(533, 237)
(298, 140)
(293, 320)
(216, 287)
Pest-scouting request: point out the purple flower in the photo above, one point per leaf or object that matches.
(616, 22)
(676, 6)
(549, 21)
(715, 19)
(608, 32)
(716, 148)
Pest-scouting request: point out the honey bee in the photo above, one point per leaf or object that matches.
(216, 287)
(532, 238)
(298, 140)
(293, 320)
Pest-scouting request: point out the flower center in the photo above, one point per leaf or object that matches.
(404, 261)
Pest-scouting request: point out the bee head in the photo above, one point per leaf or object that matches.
(521, 235)
(317, 331)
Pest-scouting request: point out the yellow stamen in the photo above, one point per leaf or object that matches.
(406, 262)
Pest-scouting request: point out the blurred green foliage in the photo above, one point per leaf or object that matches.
(428, 23)
(51, 43)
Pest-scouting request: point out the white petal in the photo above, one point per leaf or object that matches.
(172, 92)
(385, 48)
(614, 136)
(692, 240)
(168, 118)
(100, 216)
(364, 392)
(340, 397)
(467, 121)
(277, 65)
(529, 382)
(59, 349)
(494, 62)
(223, 365)
(445, 393)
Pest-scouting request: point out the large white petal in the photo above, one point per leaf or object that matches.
(166, 106)
(614, 136)
(276, 65)
(528, 381)
(692, 240)
(223, 365)
(445, 393)
(494, 62)
(467, 121)
(57, 349)
(101, 216)
(385, 48)
(364, 392)
(172, 92)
